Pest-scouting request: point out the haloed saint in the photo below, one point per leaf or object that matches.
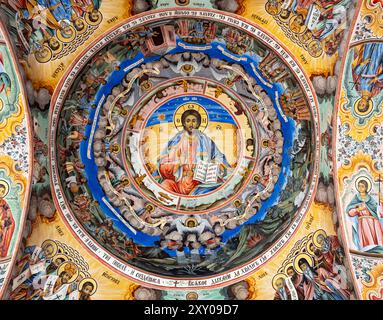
(191, 163)
(366, 210)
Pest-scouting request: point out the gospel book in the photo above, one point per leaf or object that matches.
(206, 172)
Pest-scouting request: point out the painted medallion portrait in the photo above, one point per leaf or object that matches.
(197, 156)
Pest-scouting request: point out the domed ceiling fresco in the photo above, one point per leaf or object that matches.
(178, 150)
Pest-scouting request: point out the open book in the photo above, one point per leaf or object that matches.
(313, 17)
(206, 172)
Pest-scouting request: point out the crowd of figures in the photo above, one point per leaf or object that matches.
(53, 271)
(313, 270)
(49, 29)
(317, 26)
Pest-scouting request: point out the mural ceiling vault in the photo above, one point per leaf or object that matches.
(191, 150)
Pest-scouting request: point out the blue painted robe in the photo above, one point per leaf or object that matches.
(370, 66)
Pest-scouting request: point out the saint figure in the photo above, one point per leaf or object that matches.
(7, 224)
(368, 73)
(188, 148)
(363, 206)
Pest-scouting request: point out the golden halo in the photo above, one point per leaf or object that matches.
(364, 178)
(6, 187)
(67, 265)
(272, 9)
(192, 296)
(277, 277)
(43, 55)
(304, 256)
(228, 82)
(256, 178)
(146, 85)
(59, 49)
(69, 38)
(190, 106)
(63, 256)
(316, 235)
(115, 148)
(303, 36)
(50, 242)
(149, 207)
(83, 29)
(123, 112)
(85, 280)
(237, 203)
(367, 111)
(302, 28)
(93, 23)
(125, 181)
(316, 54)
(310, 251)
(265, 143)
(187, 68)
(288, 266)
(285, 20)
(191, 220)
(182, 2)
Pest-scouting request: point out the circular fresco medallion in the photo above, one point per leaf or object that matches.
(190, 147)
(184, 148)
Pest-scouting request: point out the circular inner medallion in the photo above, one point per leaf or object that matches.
(191, 147)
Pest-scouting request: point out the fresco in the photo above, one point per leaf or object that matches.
(166, 181)
(49, 34)
(15, 158)
(191, 150)
(359, 156)
(316, 26)
(53, 271)
(314, 270)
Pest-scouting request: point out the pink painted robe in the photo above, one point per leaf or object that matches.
(180, 159)
(370, 230)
